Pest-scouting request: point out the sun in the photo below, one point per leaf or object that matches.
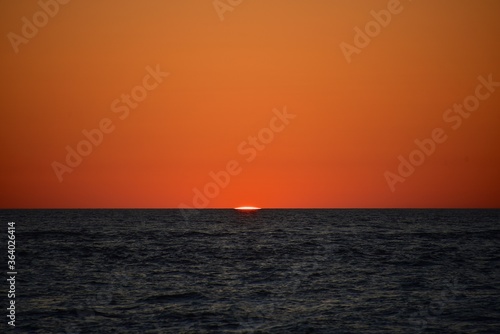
(247, 208)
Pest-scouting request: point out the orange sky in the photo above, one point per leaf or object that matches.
(228, 80)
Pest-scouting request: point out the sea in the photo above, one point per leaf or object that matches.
(266, 271)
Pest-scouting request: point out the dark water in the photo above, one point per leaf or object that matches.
(272, 271)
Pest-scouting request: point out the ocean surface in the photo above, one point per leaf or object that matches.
(270, 271)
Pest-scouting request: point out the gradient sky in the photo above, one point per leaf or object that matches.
(352, 119)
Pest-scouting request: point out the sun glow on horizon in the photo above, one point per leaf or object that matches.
(247, 208)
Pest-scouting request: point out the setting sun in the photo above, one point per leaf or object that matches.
(247, 208)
